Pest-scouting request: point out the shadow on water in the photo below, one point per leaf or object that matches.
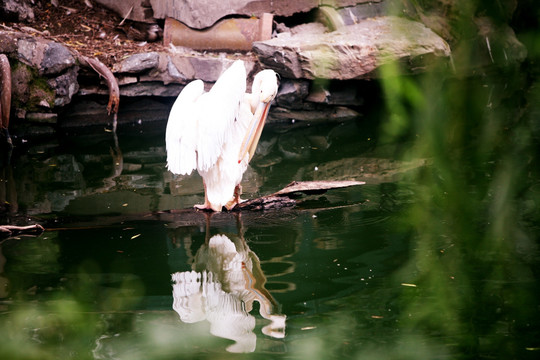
(436, 257)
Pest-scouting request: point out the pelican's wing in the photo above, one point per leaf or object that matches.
(180, 135)
(218, 113)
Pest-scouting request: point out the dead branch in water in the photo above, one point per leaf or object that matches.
(7, 231)
(286, 196)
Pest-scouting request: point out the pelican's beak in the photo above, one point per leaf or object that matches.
(249, 144)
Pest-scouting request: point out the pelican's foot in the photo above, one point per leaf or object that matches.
(231, 204)
(202, 207)
(207, 207)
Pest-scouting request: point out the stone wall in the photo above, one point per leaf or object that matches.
(347, 44)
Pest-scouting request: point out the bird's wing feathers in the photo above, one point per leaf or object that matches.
(180, 136)
(219, 110)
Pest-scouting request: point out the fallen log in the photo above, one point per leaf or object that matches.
(286, 196)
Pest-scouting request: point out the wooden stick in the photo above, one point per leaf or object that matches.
(125, 17)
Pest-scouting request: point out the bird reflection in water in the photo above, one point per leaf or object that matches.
(225, 280)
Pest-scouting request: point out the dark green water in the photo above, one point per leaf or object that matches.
(346, 274)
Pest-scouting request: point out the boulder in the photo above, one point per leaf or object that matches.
(292, 93)
(56, 59)
(16, 10)
(352, 52)
(65, 86)
(200, 14)
(138, 63)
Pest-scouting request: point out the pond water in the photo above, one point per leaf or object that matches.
(397, 268)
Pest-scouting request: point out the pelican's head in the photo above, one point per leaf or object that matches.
(265, 86)
(263, 91)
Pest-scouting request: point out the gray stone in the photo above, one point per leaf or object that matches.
(138, 10)
(173, 71)
(292, 93)
(65, 86)
(353, 52)
(335, 93)
(138, 63)
(151, 89)
(44, 118)
(323, 115)
(20, 10)
(28, 51)
(56, 59)
(200, 14)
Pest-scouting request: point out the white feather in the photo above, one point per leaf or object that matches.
(182, 129)
(218, 111)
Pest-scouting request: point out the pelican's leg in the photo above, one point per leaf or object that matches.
(206, 205)
(237, 193)
(236, 198)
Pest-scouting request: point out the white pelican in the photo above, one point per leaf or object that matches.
(217, 132)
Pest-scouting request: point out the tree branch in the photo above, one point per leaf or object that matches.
(112, 84)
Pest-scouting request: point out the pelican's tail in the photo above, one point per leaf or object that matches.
(181, 159)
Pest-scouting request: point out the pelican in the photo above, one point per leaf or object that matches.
(217, 132)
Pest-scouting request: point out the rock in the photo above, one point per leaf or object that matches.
(353, 52)
(8, 42)
(46, 56)
(499, 42)
(30, 51)
(202, 14)
(138, 10)
(173, 71)
(292, 93)
(231, 34)
(45, 118)
(85, 112)
(28, 92)
(16, 10)
(56, 59)
(138, 63)
(325, 114)
(65, 86)
(150, 89)
(335, 93)
(21, 76)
